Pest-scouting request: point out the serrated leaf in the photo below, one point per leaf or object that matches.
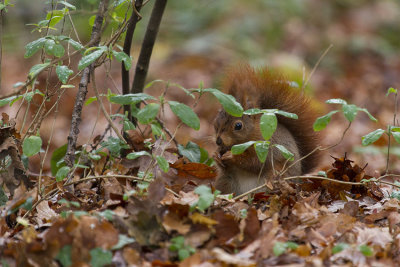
(287, 114)
(336, 101)
(31, 145)
(228, 102)
(350, 111)
(162, 163)
(191, 151)
(33, 47)
(130, 98)
(268, 124)
(262, 150)
(134, 155)
(371, 137)
(63, 72)
(285, 152)
(90, 58)
(321, 122)
(148, 113)
(62, 173)
(123, 57)
(185, 114)
(240, 148)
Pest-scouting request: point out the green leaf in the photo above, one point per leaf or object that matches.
(285, 152)
(56, 16)
(185, 114)
(114, 145)
(100, 257)
(206, 197)
(253, 111)
(350, 111)
(287, 114)
(56, 157)
(64, 256)
(191, 151)
(262, 150)
(279, 248)
(90, 58)
(69, 5)
(367, 251)
(62, 173)
(122, 56)
(336, 101)
(134, 155)
(321, 122)
(396, 136)
(130, 98)
(372, 118)
(162, 163)
(156, 129)
(31, 145)
(78, 46)
(53, 49)
(36, 69)
(372, 137)
(123, 240)
(228, 102)
(239, 149)
(63, 72)
(391, 90)
(148, 113)
(3, 197)
(7, 100)
(291, 245)
(339, 247)
(268, 124)
(33, 47)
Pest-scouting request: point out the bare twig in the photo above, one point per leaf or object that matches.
(82, 91)
(394, 124)
(135, 17)
(146, 50)
(316, 66)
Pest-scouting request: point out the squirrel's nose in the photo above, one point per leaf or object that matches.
(219, 141)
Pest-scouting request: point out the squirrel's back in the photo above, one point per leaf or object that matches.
(262, 89)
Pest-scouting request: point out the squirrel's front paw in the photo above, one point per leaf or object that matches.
(227, 157)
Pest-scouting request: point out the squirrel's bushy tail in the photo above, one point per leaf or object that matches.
(259, 88)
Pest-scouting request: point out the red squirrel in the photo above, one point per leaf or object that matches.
(261, 89)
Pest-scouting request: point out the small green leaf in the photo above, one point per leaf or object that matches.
(130, 98)
(367, 251)
(396, 136)
(62, 173)
(372, 137)
(336, 101)
(64, 256)
(262, 150)
(268, 124)
(206, 197)
(228, 102)
(90, 58)
(191, 151)
(31, 145)
(391, 90)
(350, 111)
(53, 49)
(100, 257)
(7, 100)
(148, 113)
(36, 69)
(322, 173)
(33, 47)
(123, 240)
(253, 111)
(287, 114)
(134, 155)
(78, 46)
(285, 152)
(3, 197)
(339, 247)
(162, 163)
(56, 157)
(123, 57)
(69, 5)
(239, 149)
(291, 245)
(372, 118)
(321, 122)
(63, 72)
(185, 114)
(279, 248)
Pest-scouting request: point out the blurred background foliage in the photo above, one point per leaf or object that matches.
(199, 39)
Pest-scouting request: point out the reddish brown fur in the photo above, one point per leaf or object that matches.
(262, 89)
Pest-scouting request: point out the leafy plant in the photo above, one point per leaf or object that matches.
(178, 245)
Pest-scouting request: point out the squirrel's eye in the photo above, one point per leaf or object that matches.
(238, 126)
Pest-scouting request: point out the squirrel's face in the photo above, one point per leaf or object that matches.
(233, 130)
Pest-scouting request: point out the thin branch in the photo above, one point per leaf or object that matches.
(82, 91)
(394, 124)
(127, 49)
(146, 50)
(316, 66)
